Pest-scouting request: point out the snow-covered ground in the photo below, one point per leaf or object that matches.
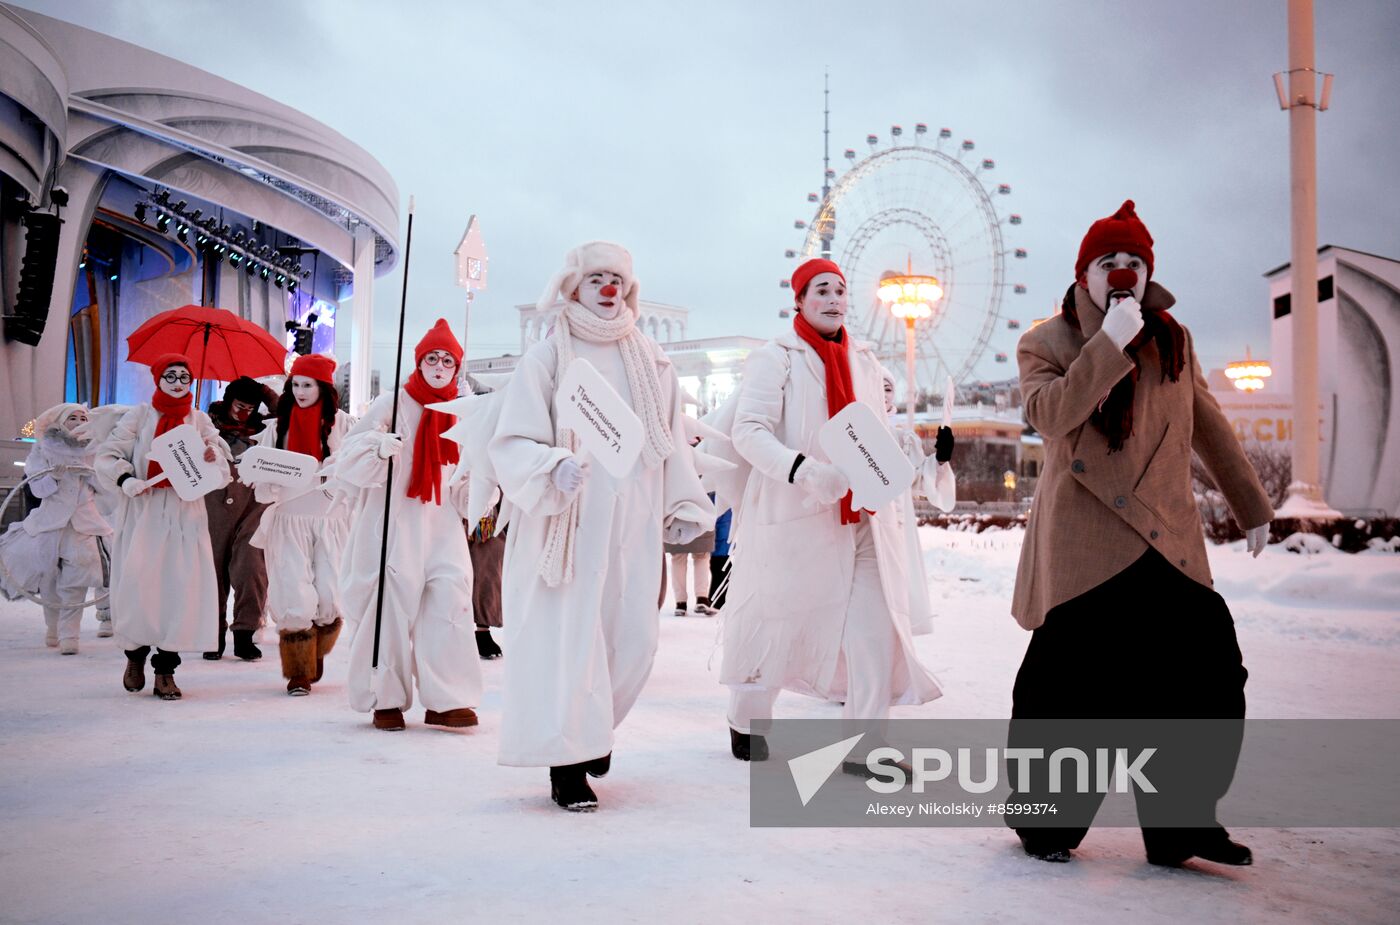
(240, 804)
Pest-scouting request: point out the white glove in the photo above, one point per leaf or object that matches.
(133, 487)
(1256, 538)
(568, 476)
(390, 446)
(913, 447)
(681, 532)
(823, 481)
(1123, 322)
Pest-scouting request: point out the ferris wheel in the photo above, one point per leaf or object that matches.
(929, 208)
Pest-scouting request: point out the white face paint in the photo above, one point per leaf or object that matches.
(175, 381)
(1105, 294)
(306, 391)
(601, 293)
(889, 396)
(75, 420)
(824, 305)
(438, 367)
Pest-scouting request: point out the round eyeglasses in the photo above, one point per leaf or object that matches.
(177, 378)
(434, 359)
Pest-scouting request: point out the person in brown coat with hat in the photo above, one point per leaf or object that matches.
(234, 517)
(1113, 580)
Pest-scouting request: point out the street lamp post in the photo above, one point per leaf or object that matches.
(911, 297)
(471, 271)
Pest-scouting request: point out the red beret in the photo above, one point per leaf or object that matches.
(167, 360)
(316, 366)
(439, 337)
(1121, 231)
(814, 267)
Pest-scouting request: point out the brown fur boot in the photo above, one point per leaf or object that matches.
(298, 650)
(325, 641)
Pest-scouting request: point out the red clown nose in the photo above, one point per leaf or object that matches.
(1122, 279)
(608, 291)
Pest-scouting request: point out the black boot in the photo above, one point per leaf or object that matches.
(243, 646)
(747, 747)
(1044, 847)
(486, 647)
(599, 767)
(568, 786)
(218, 653)
(1208, 845)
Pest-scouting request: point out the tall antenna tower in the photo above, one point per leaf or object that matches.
(826, 217)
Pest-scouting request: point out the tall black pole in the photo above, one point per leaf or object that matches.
(393, 426)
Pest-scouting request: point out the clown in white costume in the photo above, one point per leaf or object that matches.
(427, 627)
(303, 533)
(819, 597)
(164, 591)
(583, 560)
(58, 550)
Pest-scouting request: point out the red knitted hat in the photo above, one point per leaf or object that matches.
(1121, 231)
(167, 360)
(439, 337)
(814, 267)
(316, 366)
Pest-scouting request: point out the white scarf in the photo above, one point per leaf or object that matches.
(557, 563)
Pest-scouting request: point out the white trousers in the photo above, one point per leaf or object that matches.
(427, 634)
(303, 568)
(64, 620)
(869, 647)
(700, 567)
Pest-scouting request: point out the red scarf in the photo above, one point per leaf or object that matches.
(304, 431)
(840, 392)
(173, 412)
(431, 451)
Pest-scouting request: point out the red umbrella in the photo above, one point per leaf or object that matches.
(220, 344)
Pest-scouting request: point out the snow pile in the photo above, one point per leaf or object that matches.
(241, 804)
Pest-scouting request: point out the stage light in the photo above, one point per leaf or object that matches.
(292, 286)
(180, 206)
(141, 212)
(194, 216)
(162, 223)
(251, 268)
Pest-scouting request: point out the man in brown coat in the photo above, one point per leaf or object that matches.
(1113, 580)
(234, 516)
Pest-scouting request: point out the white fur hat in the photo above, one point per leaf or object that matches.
(55, 416)
(590, 258)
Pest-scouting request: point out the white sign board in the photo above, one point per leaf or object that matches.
(272, 466)
(180, 452)
(861, 445)
(606, 426)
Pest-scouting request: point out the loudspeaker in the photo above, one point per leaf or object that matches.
(26, 325)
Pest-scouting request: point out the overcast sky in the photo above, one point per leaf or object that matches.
(691, 132)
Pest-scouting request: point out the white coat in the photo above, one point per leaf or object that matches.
(579, 654)
(65, 524)
(427, 631)
(163, 589)
(793, 566)
(303, 540)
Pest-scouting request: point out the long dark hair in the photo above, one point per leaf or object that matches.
(330, 402)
